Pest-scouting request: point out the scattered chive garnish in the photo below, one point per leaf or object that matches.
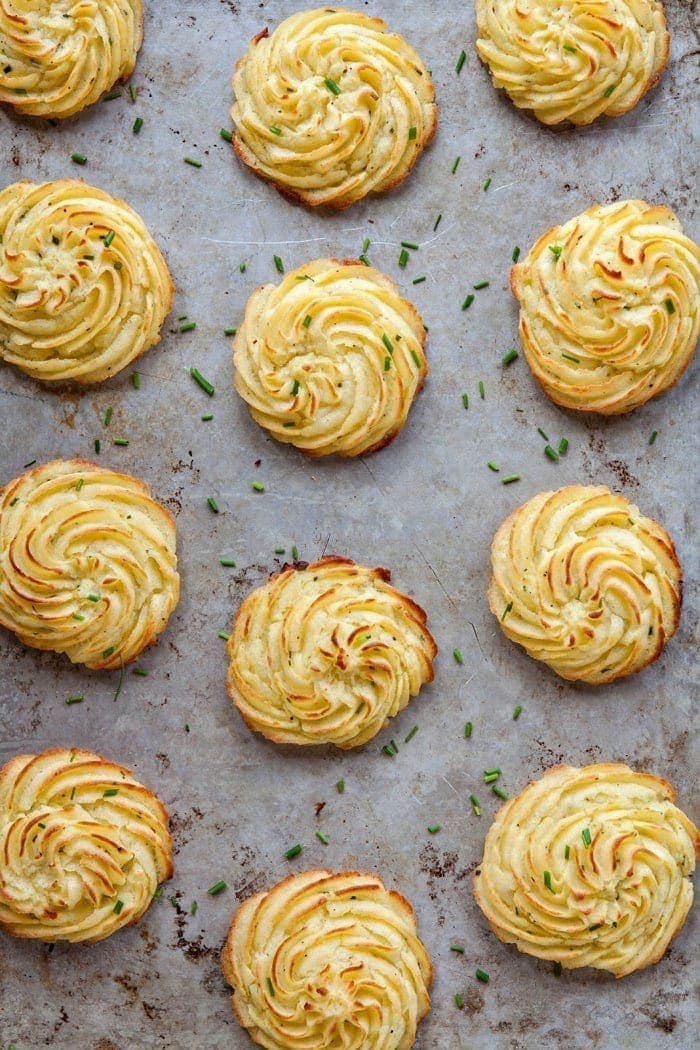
(212, 504)
(111, 792)
(456, 165)
(570, 49)
(570, 357)
(516, 254)
(295, 552)
(410, 735)
(556, 250)
(140, 672)
(468, 727)
(228, 563)
(608, 91)
(226, 135)
(218, 887)
(468, 302)
(670, 308)
(653, 436)
(491, 778)
(136, 380)
(75, 699)
(97, 446)
(322, 838)
(108, 416)
(78, 616)
(459, 1001)
(403, 258)
(460, 61)
(79, 484)
(465, 400)
(275, 129)
(293, 852)
(567, 851)
(118, 907)
(481, 975)
(109, 237)
(517, 712)
(492, 466)
(550, 453)
(487, 183)
(476, 805)
(279, 265)
(586, 836)
(437, 222)
(242, 267)
(457, 948)
(387, 343)
(340, 786)
(332, 86)
(224, 635)
(133, 92)
(412, 134)
(509, 357)
(458, 656)
(193, 162)
(557, 969)
(510, 479)
(434, 828)
(563, 445)
(193, 908)
(207, 417)
(122, 442)
(480, 284)
(188, 326)
(230, 331)
(410, 244)
(270, 987)
(482, 389)
(78, 158)
(307, 321)
(387, 364)
(257, 486)
(548, 880)
(498, 791)
(418, 280)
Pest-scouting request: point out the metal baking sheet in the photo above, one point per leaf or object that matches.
(426, 507)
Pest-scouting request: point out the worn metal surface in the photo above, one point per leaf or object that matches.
(426, 508)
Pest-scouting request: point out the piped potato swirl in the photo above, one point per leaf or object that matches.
(610, 306)
(574, 60)
(331, 359)
(59, 56)
(585, 583)
(83, 846)
(87, 563)
(331, 107)
(589, 867)
(84, 289)
(327, 654)
(330, 961)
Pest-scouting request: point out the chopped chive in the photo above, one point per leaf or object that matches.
(109, 651)
(257, 486)
(387, 364)
(476, 805)
(487, 183)
(332, 86)
(468, 727)
(468, 302)
(456, 165)
(207, 417)
(295, 552)
(416, 359)
(491, 778)
(307, 321)
(212, 504)
(322, 838)
(112, 95)
(457, 948)
(108, 416)
(570, 49)
(138, 124)
(498, 791)
(465, 400)
(437, 222)
(78, 158)
(490, 772)
(93, 597)
(226, 135)
(109, 237)
(482, 389)
(133, 92)
(340, 786)
(242, 267)
(218, 887)
(459, 1001)
(481, 975)
(118, 907)
(492, 466)
(542, 434)
(410, 244)
(510, 479)
(230, 331)
(136, 380)
(570, 357)
(140, 672)
(412, 134)
(480, 284)
(517, 711)
(206, 386)
(410, 735)
(608, 91)
(516, 254)
(193, 908)
(279, 265)
(458, 656)
(550, 453)
(670, 308)
(228, 563)
(434, 828)
(295, 388)
(79, 484)
(279, 550)
(275, 129)
(387, 343)
(567, 851)
(403, 258)
(224, 635)
(547, 877)
(556, 250)
(653, 436)
(110, 792)
(78, 616)
(557, 969)
(188, 326)
(97, 446)
(78, 699)
(122, 442)
(460, 61)
(193, 161)
(388, 750)
(293, 852)
(586, 836)
(270, 987)
(563, 445)
(509, 357)
(118, 265)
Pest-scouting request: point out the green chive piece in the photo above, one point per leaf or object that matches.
(212, 504)
(481, 975)
(109, 237)
(510, 479)
(460, 61)
(118, 265)
(138, 124)
(456, 165)
(557, 969)
(270, 987)
(418, 280)
(403, 258)
(482, 389)
(459, 1001)
(74, 699)
(257, 486)
(476, 805)
(465, 400)
(293, 852)
(78, 158)
(668, 303)
(567, 852)
(570, 357)
(193, 908)
(188, 326)
(275, 129)
(364, 260)
(387, 343)
(457, 948)
(224, 635)
(480, 284)
(108, 416)
(109, 651)
(517, 711)
(79, 484)
(556, 250)
(563, 445)
(140, 672)
(122, 442)
(491, 778)
(508, 358)
(279, 265)
(516, 254)
(133, 92)
(653, 436)
(550, 453)
(437, 222)
(608, 91)
(548, 881)
(410, 735)
(295, 552)
(332, 86)
(242, 267)
(206, 386)
(487, 183)
(542, 434)
(230, 331)
(97, 446)
(458, 656)
(410, 244)
(226, 135)
(228, 563)
(387, 364)
(492, 466)
(586, 836)
(118, 907)
(218, 887)
(279, 550)
(322, 838)
(307, 321)
(111, 792)
(498, 791)
(207, 417)
(78, 616)
(193, 162)
(340, 786)
(112, 96)
(412, 134)
(434, 828)
(468, 728)
(570, 49)
(136, 380)
(468, 302)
